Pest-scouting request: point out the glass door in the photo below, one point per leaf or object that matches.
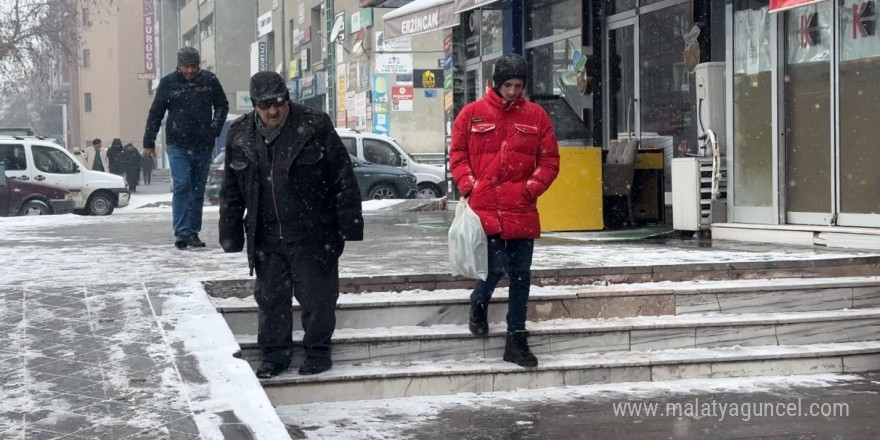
(808, 113)
(622, 90)
(859, 116)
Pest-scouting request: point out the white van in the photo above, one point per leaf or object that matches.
(42, 160)
(384, 150)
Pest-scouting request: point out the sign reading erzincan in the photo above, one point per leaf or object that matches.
(149, 42)
(405, 21)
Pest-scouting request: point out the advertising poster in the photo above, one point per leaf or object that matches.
(402, 98)
(381, 117)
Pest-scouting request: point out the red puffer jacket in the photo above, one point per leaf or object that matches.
(503, 156)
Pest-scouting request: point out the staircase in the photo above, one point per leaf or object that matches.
(416, 342)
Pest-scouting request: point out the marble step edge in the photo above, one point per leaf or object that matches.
(577, 326)
(342, 372)
(461, 296)
(722, 270)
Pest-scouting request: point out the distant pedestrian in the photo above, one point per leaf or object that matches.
(148, 163)
(503, 156)
(96, 157)
(132, 163)
(116, 157)
(295, 225)
(197, 108)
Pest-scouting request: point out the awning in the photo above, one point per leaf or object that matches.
(419, 17)
(467, 5)
(781, 5)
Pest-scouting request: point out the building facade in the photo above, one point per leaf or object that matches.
(109, 95)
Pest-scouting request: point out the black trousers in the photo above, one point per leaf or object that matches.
(308, 272)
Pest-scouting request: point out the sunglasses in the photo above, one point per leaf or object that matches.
(277, 102)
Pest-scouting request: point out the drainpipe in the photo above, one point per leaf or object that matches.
(331, 61)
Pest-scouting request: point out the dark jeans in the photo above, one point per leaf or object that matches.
(285, 271)
(189, 173)
(514, 257)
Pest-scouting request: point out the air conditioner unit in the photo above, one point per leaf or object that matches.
(692, 193)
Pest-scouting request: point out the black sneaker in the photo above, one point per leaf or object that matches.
(195, 242)
(315, 365)
(180, 243)
(269, 370)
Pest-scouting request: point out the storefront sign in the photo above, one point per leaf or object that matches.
(149, 32)
(394, 63)
(781, 5)
(307, 86)
(320, 82)
(402, 44)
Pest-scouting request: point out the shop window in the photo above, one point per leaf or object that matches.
(752, 104)
(554, 86)
(546, 18)
(490, 31)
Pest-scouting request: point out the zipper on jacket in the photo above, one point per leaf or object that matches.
(272, 185)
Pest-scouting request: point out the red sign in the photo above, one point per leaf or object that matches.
(402, 93)
(149, 37)
(781, 5)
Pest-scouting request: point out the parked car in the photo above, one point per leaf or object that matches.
(40, 159)
(18, 197)
(383, 182)
(375, 181)
(384, 150)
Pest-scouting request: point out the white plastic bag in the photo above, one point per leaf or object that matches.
(468, 247)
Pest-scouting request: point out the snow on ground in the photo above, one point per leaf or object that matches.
(390, 418)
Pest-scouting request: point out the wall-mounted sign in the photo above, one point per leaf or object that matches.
(402, 44)
(149, 32)
(402, 98)
(264, 24)
(394, 63)
(428, 78)
(361, 19)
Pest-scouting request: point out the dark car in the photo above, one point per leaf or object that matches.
(383, 181)
(375, 181)
(18, 197)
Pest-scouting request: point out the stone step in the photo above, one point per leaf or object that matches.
(363, 381)
(860, 266)
(582, 336)
(450, 306)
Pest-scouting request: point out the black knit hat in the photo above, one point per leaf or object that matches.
(188, 56)
(268, 85)
(510, 66)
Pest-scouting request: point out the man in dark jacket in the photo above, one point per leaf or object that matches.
(197, 108)
(290, 193)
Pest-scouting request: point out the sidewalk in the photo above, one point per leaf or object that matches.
(111, 334)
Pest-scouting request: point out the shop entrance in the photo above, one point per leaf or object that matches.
(831, 114)
(650, 94)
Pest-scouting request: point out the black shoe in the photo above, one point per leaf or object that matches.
(180, 243)
(517, 349)
(315, 365)
(269, 370)
(195, 242)
(479, 320)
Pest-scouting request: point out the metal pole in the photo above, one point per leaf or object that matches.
(331, 60)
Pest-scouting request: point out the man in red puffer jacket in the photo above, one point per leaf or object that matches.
(503, 156)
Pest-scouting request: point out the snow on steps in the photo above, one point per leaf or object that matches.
(398, 344)
(425, 308)
(392, 380)
(580, 336)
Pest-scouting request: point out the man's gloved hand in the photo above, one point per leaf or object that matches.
(149, 145)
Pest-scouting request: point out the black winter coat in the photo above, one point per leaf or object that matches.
(322, 203)
(196, 111)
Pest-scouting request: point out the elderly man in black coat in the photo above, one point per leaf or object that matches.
(289, 192)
